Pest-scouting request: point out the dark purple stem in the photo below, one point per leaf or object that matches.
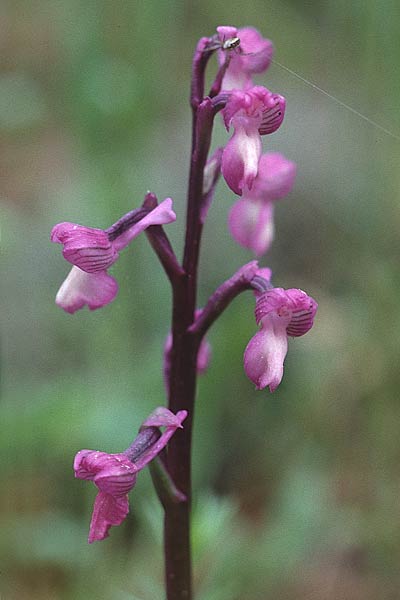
(216, 86)
(182, 380)
(211, 177)
(161, 246)
(166, 489)
(200, 59)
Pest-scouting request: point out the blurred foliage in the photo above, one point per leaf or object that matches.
(296, 493)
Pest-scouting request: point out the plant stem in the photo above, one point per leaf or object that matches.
(223, 296)
(182, 382)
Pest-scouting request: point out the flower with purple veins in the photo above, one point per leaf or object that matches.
(281, 313)
(115, 474)
(93, 251)
(251, 218)
(253, 55)
(252, 113)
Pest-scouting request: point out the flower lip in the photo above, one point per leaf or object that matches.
(265, 354)
(81, 288)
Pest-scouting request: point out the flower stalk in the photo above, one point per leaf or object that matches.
(259, 180)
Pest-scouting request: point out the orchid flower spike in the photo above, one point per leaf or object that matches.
(281, 313)
(115, 474)
(252, 113)
(251, 218)
(253, 55)
(93, 251)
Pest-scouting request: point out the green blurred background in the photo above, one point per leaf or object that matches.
(296, 493)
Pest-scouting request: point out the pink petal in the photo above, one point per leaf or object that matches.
(303, 312)
(163, 417)
(272, 301)
(275, 177)
(253, 104)
(160, 215)
(253, 56)
(293, 305)
(273, 115)
(87, 248)
(92, 289)
(112, 473)
(107, 511)
(257, 52)
(240, 158)
(84, 468)
(236, 79)
(159, 418)
(251, 224)
(226, 32)
(265, 354)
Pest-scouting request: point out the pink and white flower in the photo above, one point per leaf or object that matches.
(253, 56)
(252, 113)
(281, 313)
(251, 218)
(93, 251)
(115, 474)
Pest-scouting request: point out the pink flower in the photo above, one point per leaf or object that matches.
(252, 113)
(253, 55)
(251, 218)
(251, 224)
(203, 356)
(280, 313)
(115, 474)
(93, 251)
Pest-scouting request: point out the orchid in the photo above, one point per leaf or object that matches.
(252, 113)
(93, 251)
(253, 55)
(115, 474)
(251, 218)
(260, 180)
(281, 313)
